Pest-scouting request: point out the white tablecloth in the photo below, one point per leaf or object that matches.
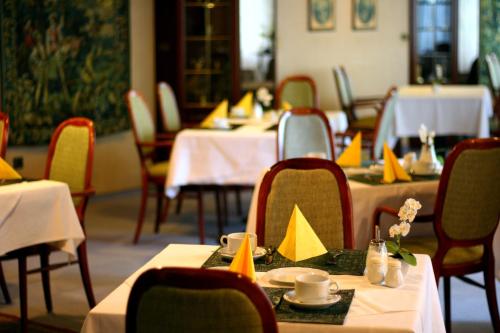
(413, 307)
(448, 110)
(223, 157)
(38, 212)
(365, 198)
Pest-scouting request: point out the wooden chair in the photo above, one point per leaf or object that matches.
(70, 159)
(4, 133)
(319, 187)
(198, 300)
(374, 141)
(169, 111)
(298, 90)
(302, 131)
(351, 105)
(465, 218)
(493, 66)
(152, 172)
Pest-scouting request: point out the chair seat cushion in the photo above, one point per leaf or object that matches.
(368, 122)
(158, 169)
(456, 255)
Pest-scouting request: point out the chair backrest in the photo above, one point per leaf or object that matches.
(493, 66)
(142, 122)
(468, 200)
(71, 155)
(4, 133)
(168, 107)
(384, 123)
(197, 300)
(298, 90)
(319, 187)
(302, 131)
(344, 91)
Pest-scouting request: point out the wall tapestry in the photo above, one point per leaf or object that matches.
(489, 35)
(61, 59)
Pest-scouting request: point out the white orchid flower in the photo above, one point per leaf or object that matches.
(404, 228)
(394, 230)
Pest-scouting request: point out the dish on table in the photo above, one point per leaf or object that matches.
(291, 298)
(286, 275)
(259, 253)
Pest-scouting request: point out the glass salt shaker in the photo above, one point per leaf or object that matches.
(376, 261)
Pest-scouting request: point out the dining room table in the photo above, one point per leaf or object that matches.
(445, 109)
(35, 212)
(413, 307)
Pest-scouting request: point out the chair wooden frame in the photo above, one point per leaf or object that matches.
(4, 136)
(300, 112)
(487, 262)
(350, 109)
(202, 279)
(166, 135)
(146, 177)
(44, 250)
(306, 164)
(295, 78)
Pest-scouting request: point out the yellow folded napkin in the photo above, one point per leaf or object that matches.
(286, 106)
(7, 172)
(351, 157)
(219, 112)
(392, 169)
(243, 260)
(301, 242)
(247, 104)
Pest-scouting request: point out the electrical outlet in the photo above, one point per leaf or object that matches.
(18, 162)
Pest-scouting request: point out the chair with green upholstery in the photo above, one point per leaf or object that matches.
(351, 105)
(70, 159)
(4, 133)
(152, 172)
(302, 131)
(186, 300)
(171, 121)
(465, 218)
(298, 91)
(320, 189)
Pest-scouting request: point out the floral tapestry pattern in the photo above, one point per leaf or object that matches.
(489, 34)
(62, 59)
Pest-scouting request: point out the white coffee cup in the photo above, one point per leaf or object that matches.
(313, 287)
(238, 112)
(232, 242)
(316, 154)
(221, 123)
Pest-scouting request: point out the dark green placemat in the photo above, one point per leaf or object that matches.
(230, 128)
(350, 262)
(272, 128)
(333, 315)
(372, 179)
(15, 181)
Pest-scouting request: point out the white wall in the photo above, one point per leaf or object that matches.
(374, 59)
(116, 163)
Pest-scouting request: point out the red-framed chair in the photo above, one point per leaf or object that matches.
(465, 218)
(302, 131)
(298, 91)
(70, 159)
(4, 133)
(319, 187)
(198, 300)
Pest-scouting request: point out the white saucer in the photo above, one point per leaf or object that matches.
(286, 275)
(291, 298)
(259, 253)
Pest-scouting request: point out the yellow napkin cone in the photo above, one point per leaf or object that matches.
(6, 171)
(286, 106)
(301, 242)
(351, 157)
(247, 103)
(392, 169)
(243, 260)
(219, 112)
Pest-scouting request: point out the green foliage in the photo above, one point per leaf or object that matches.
(489, 34)
(62, 59)
(401, 253)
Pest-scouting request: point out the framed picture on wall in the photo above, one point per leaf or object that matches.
(364, 14)
(321, 15)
